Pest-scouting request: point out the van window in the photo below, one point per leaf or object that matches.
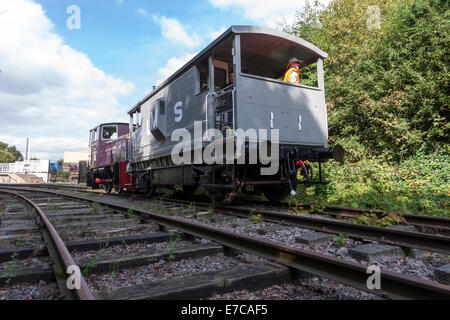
(220, 78)
(268, 56)
(136, 117)
(202, 76)
(162, 107)
(96, 134)
(109, 132)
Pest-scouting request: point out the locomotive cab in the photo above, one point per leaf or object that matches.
(108, 160)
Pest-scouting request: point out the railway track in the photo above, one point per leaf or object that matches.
(403, 237)
(428, 223)
(184, 219)
(134, 249)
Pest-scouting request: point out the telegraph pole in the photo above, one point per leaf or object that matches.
(26, 157)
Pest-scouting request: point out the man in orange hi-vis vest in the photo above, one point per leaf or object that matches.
(292, 74)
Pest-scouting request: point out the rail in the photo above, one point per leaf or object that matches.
(66, 260)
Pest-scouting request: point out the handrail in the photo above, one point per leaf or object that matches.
(279, 81)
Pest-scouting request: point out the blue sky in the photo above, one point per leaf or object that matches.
(122, 38)
(56, 83)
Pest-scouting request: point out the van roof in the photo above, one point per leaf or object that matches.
(234, 30)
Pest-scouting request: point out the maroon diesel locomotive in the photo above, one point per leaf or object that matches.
(108, 144)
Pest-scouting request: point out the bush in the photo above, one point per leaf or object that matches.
(419, 185)
(62, 175)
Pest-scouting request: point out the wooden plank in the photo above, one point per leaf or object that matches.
(198, 286)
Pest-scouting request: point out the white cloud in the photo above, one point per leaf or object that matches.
(267, 13)
(173, 64)
(213, 34)
(47, 88)
(39, 146)
(142, 12)
(174, 31)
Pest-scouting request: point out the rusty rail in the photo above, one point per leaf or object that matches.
(416, 240)
(66, 260)
(414, 219)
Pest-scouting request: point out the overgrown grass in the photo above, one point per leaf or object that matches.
(419, 185)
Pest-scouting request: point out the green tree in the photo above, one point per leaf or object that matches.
(3, 145)
(387, 88)
(6, 157)
(16, 153)
(8, 152)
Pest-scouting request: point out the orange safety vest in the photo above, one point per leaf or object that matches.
(288, 74)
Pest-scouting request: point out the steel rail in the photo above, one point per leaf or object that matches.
(417, 220)
(393, 285)
(414, 219)
(416, 240)
(66, 260)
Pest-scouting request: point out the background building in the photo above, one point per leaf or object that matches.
(31, 171)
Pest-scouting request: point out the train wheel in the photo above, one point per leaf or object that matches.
(118, 189)
(107, 187)
(276, 193)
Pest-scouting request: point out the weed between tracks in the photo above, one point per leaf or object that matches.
(172, 246)
(96, 207)
(255, 218)
(130, 212)
(373, 220)
(22, 243)
(340, 239)
(92, 264)
(11, 266)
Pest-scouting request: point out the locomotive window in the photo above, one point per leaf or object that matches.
(109, 132)
(162, 107)
(96, 134)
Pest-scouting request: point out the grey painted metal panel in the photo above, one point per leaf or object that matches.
(183, 107)
(257, 98)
